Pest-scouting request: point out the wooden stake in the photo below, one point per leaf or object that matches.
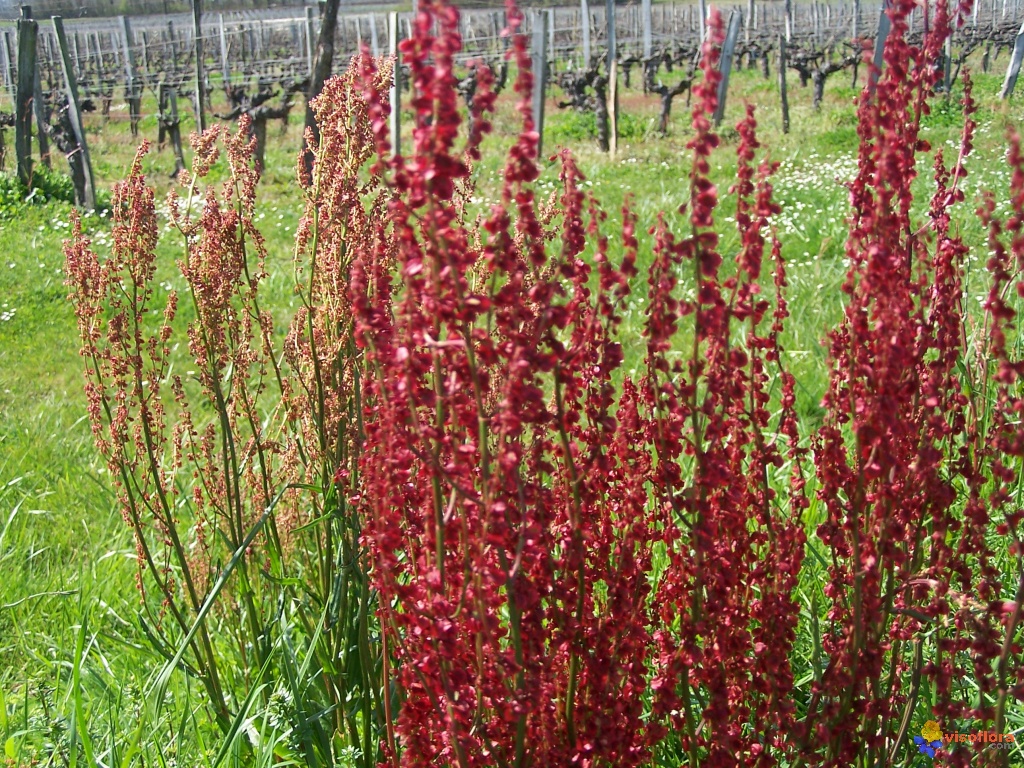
(310, 35)
(174, 127)
(145, 55)
(173, 42)
(947, 63)
(645, 20)
(1014, 69)
(585, 25)
(613, 109)
(132, 89)
(884, 25)
(225, 67)
(609, 16)
(725, 65)
(551, 59)
(539, 62)
(8, 75)
(782, 84)
(396, 86)
(27, 33)
(38, 104)
(197, 47)
(86, 195)
(613, 96)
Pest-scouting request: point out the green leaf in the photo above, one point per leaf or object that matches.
(241, 720)
(133, 745)
(159, 688)
(79, 725)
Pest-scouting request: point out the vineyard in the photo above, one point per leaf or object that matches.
(600, 386)
(261, 63)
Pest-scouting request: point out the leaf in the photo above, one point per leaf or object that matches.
(133, 745)
(79, 726)
(159, 688)
(242, 722)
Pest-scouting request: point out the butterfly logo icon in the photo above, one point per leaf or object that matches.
(930, 739)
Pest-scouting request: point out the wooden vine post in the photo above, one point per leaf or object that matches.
(78, 159)
(613, 95)
(172, 41)
(38, 103)
(396, 85)
(1013, 70)
(28, 31)
(782, 83)
(613, 109)
(310, 35)
(200, 82)
(725, 67)
(539, 61)
(145, 53)
(225, 66)
(585, 27)
(132, 87)
(884, 25)
(551, 61)
(171, 124)
(645, 10)
(947, 63)
(853, 37)
(5, 54)
(321, 72)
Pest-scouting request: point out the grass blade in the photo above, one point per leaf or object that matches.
(79, 724)
(159, 689)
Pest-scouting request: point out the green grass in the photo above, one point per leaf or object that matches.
(74, 658)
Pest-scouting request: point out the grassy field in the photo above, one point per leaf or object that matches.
(72, 653)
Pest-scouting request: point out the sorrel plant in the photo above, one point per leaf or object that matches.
(493, 546)
(233, 476)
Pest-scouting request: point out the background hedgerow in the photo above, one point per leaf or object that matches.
(439, 502)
